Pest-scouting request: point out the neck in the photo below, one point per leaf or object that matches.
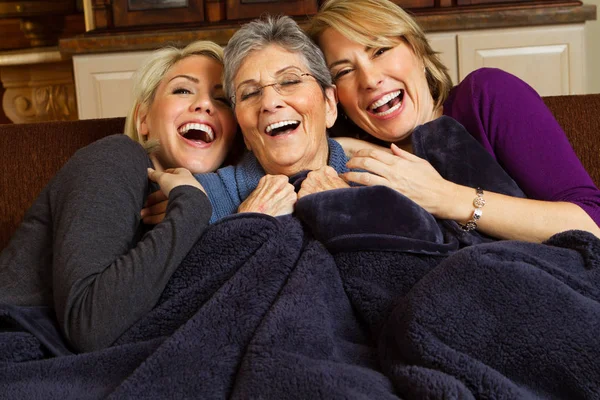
(318, 161)
(406, 143)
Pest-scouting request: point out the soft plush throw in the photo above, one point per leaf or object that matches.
(359, 294)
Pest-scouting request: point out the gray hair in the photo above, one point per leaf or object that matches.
(282, 31)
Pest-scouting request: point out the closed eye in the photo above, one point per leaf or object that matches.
(290, 82)
(249, 93)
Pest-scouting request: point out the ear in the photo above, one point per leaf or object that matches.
(141, 121)
(331, 100)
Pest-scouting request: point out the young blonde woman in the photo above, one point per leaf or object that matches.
(83, 252)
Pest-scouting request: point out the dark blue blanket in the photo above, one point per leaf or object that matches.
(344, 300)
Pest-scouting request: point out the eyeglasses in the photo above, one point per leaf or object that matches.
(251, 94)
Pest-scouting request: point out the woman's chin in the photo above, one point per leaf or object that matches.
(201, 167)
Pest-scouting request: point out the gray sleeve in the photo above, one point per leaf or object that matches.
(106, 274)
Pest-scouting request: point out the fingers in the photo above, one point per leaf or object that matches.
(154, 198)
(153, 219)
(274, 195)
(325, 178)
(397, 151)
(153, 174)
(157, 208)
(365, 178)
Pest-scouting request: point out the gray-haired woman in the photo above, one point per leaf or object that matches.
(284, 101)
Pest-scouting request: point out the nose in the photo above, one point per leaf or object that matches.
(201, 103)
(369, 77)
(270, 99)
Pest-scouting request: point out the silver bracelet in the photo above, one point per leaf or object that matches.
(478, 203)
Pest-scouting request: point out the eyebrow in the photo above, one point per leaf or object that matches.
(188, 77)
(345, 60)
(218, 86)
(335, 64)
(276, 73)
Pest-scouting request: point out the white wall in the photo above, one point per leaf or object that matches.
(593, 50)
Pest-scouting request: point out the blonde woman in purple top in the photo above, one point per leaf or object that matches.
(389, 81)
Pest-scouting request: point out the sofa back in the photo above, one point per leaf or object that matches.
(33, 153)
(579, 116)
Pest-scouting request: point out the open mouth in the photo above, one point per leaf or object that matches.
(281, 128)
(197, 132)
(387, 104)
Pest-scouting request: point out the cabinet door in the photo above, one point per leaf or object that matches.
(445, 45)
(103, 83)
(245, 9)
(550, 58)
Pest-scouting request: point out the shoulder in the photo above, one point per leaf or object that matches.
(113, 160)
(337, 157)
(113, 144)
(488, 82)
(112, 151)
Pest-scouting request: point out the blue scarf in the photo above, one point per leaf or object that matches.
(228, 187)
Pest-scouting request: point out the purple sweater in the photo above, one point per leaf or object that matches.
(512, 122)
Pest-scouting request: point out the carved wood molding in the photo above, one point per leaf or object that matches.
(39, 92)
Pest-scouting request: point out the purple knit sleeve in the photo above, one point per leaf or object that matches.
(512, 122)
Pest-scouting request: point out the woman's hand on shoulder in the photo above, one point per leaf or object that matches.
(320, 180)
(352, 145)
(404, 172)
(274, 196)
(156, 204)
(171, 178)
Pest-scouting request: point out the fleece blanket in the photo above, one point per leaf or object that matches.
(335, 302)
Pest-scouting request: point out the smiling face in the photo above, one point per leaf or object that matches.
(287, 130)
(190, 116)
(383, 90)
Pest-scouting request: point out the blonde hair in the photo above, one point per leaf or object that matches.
(376, 23)
(148, 77)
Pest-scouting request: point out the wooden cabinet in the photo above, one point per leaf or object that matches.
(243, 9)
(445, 45)
(550, 58)
(103, 83)
(141, 14)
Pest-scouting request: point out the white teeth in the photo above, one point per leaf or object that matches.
(199, 127)
(279, 125)
(385, 99)
(391, 110)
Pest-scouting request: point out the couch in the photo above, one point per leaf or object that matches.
(33, 153)
(387, 304)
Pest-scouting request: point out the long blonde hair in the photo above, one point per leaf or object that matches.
(148, 77)
(376, 23)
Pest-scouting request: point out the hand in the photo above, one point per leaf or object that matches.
(410, 175)
(155, 208)
(156, 204)
(324, 178)
(352, 145)
(273, 196)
